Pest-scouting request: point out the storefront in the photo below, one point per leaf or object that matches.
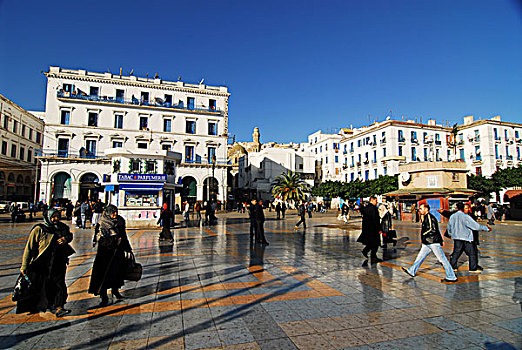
(139, 197)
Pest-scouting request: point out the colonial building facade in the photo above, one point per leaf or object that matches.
(21, 133)
(89, 115)
(368, 152)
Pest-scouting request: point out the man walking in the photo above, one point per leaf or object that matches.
(301, 211)
(431, 240)
(283, 209)
(260, 223)
(186, 210)
(371, 230)
(278, 210)
(252, 215)
(490, 212)
(460, 228)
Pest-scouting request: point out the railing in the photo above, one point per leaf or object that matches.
(66, 154)
(134, 102)
(207, 162)
(402, 139)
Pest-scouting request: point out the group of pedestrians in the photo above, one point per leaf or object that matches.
(46, 256)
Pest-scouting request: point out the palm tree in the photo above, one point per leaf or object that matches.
(289, 187)
(453, 141)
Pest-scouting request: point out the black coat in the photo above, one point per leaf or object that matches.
(259, 213)
(371, 226)
(109, 263)
(430, 233)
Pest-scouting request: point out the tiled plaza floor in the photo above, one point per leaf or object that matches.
(306, 290)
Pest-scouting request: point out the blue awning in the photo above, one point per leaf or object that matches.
(141, 187)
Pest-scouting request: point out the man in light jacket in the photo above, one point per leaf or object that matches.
(460, 228)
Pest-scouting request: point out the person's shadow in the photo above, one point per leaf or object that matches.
(257, 254)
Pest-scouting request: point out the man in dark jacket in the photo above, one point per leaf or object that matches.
(252, 215)
(301, 211)
(371, 230)
(260, 223)
(431, 242)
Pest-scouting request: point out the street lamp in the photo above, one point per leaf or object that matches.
(213, 159)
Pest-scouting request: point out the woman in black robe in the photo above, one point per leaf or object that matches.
(109, 264)
(45, 260)
(165, 220)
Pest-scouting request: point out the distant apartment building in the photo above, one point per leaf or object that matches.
(371, 151)
(91, 117)
(21, 134)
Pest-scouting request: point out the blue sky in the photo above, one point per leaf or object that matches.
(292, 67)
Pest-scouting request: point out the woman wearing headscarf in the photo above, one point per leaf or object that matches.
(109, 263)
(45, 260)
(165, 220)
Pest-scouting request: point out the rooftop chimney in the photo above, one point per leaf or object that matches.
(432, 122)
(497, 118)
(468, 120)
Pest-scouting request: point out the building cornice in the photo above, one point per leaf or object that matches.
(488, 121)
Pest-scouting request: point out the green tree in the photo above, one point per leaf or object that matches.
(482, 185)
(289, 187)
(508, 177)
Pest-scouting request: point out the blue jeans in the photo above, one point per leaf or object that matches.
(439, 253)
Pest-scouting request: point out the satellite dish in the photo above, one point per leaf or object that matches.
(405, 177)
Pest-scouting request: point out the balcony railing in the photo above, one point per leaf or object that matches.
(134, 102)
(206, 162)
(52, 153)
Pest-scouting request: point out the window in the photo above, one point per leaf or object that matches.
(142, 145)
(165, 147)
(425, 154)
(117, 144)
(22, 153)
(507, 152)
(437, 139)
(462, 154)
(168, 100)
(29, 152)
(366, 174)
(212, 104)
(120, 95)
(518, 153)
(144, 97)
(30, 137)
(375, 156)
(67, 87)
(144, 123)
(320, 149)
(212, 129)
(506, 134)
(64, 120)
(496, 152)
(437, 155)
(23, 130)
(374, 139)
(384, 152)
(211, 151)
(190, 102)
(118, 121)
(15, 126)
(413, 154)
(94, 90)
(6, 122)
(400, 151)
(495, 131)
(401, 136)
(326, 160)
(478, 171)
(190, 127)
(375, 173)
(358, 143)
(13, 151)
(477, 153)
(90, 146)
(150, 166)
(326, 147)
(189, 154)
(38, 137)
(336, 159)
(135, 166)
(425, 137)
(4, 148)
(352, 176)
(413, 136)
(93, 119)
(167, 125)
(385, 171)
(516, 134)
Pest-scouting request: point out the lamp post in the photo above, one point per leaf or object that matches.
(213, 159)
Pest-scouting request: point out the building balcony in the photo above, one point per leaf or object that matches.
(498, 140)
(206, 163)
(402, 140)
(351, 150)
(518, 141)
(383, 141)
(156, 104)
(438, 143)
(414, 142)
(67, 155)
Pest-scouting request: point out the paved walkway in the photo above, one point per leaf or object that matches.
(306, 290)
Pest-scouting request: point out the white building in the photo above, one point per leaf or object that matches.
(258, 170)
(490, 144)
(371, 151)
(21, 133)
(90, 115)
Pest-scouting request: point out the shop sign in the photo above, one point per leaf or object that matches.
(142, 177)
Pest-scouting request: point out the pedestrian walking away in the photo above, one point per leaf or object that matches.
(165, 220)
(490, 212)
(301, 211)
(45, 261)
(260, 223)
(253, 224)
(431, 241)
(460, 228)
(109, 263)
(371, 230)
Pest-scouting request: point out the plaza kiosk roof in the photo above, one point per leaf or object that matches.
(513, 195)
(429, 192)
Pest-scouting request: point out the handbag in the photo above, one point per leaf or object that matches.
(22, 289)
(133, 270)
